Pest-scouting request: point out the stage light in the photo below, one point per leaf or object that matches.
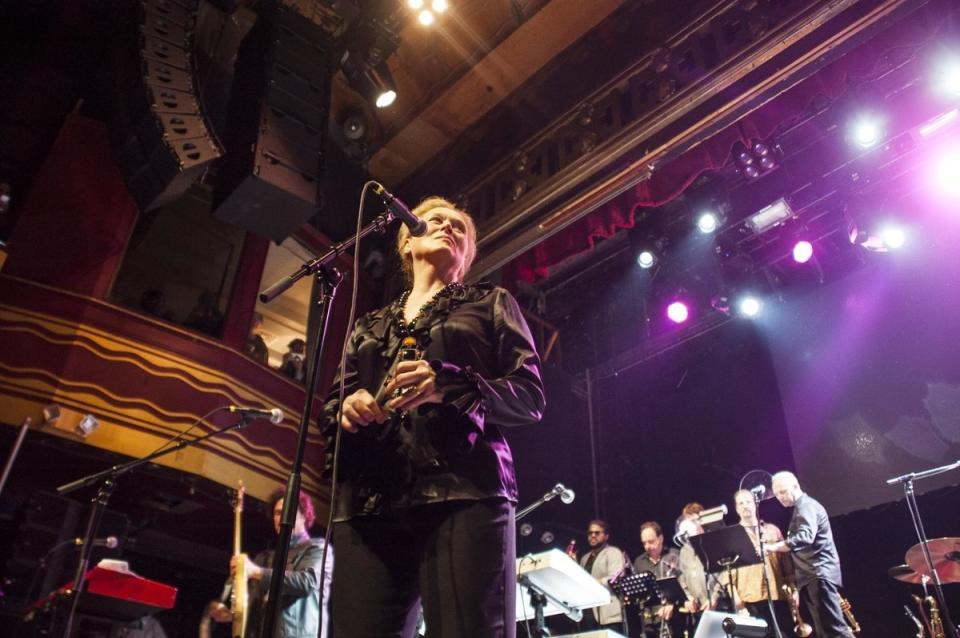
(946, 173)
(939, 123)
(893, 237)
(866, 132)
(426, 18)
(750, 306)
(678, 312)
(374, 83)
(769, 216)
(802, 251)
(415, 4)
(707, 222)
(440, 5)
(646, 259)
(949, 76)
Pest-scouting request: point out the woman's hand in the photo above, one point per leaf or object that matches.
(253, 570)
(418, 382)
(219, 612)
(359, 410)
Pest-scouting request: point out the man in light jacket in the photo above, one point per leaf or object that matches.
(603, 562)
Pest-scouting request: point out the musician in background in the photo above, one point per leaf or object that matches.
(300, 605)
(702, 589)
(662, 564)
(603, 562)
(817, 565)
(749, 588)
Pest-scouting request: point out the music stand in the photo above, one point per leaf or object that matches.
(554, 583)
(670, 590)
(725, 549)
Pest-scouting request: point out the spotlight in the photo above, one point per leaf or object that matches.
(678, 312)
(547, 537)
(939, 122)
(440, 5)
(526, 529)
(946, 173)
(426, 18)
(750, 306)
(646, 259)
(893, 237)
(415, 4)
(707, 223)
(866, 132)
(374, 83)
(802, 251)
(949, 77)
(769, 216)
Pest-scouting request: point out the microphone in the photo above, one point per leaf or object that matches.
(275, 415)
(758, 490)
(399, 210)
(565, 493)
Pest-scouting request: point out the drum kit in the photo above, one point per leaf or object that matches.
(944, 557)
(945, 553)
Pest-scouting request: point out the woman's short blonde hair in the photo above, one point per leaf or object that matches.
(422, 209)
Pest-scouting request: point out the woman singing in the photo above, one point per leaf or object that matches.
(427, 488)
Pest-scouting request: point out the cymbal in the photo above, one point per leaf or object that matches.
(905, 574)
(945, 553)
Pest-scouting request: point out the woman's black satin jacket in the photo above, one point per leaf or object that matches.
(489, 373)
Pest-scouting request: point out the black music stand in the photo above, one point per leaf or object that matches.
(725, 549)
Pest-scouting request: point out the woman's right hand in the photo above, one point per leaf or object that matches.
(360, 409)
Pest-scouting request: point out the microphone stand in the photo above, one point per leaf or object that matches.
(107, 480)
(763, 567)
(328, 279)
(911, 498)
(549, 496)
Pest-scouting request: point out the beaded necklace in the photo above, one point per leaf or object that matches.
(407, 328)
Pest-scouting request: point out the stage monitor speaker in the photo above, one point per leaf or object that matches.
(269, 182)
(162, 140)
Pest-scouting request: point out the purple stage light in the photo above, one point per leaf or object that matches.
(949, 77)
(750, 307)
(802, 251)
(946, 176)
(678, 312)
(893, 237)
(707, 223)
(866, 132)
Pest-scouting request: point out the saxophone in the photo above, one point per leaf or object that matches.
(238, 595)
(800, 628)
(935, 623)
(848, 615)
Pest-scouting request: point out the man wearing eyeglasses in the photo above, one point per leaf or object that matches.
(603, 562)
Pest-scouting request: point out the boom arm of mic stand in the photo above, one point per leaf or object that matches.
(312, 267)
(912, 476)
(99, 503)
(537, 503)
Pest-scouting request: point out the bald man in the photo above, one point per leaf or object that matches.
(817, 566)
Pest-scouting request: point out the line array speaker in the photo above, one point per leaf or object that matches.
(161, 137)
(269, 182)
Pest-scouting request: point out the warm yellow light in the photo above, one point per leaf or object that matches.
(425, 18)
(415, 4)
(440, 5)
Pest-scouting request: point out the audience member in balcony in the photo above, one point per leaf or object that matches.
(151, 302)
(256, 346)
(293, 364)
(205, 316)
(425, 509)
